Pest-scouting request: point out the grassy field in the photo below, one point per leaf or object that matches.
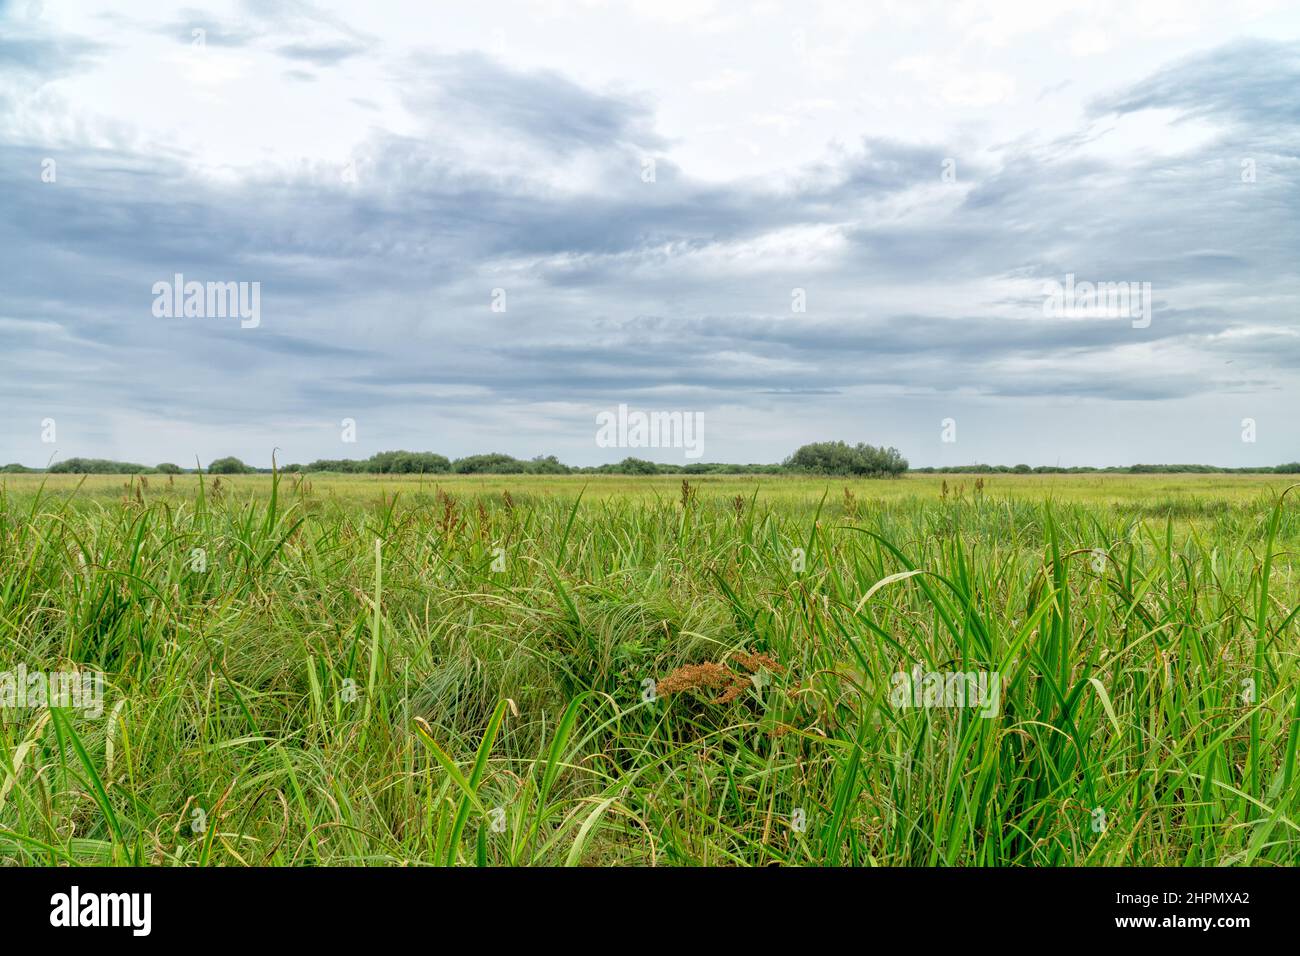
(361, 670)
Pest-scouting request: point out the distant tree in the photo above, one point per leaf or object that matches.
(825, 458)
(228, 466)
(95, 466)
(406, 463)
(426, 462)
(346, 465)
(839, 458)
(15, 469)
(550, 465)
(490, 464)
(167, 468)
(636, 466)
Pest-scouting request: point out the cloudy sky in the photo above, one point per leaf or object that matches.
(652, 190)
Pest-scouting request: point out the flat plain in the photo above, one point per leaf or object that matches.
(495, 670)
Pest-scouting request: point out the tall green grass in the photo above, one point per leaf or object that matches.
(452, 675)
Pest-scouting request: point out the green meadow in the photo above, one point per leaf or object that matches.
(546, 670)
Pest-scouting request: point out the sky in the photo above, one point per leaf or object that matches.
(476, 227)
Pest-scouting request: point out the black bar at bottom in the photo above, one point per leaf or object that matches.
(339, 906)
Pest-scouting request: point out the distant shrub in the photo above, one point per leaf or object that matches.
(228, 466)
(491, 464)
(636, 466)
(406, 463)
(95, 466)
(345, 465)
(549, 465)
(839, 458)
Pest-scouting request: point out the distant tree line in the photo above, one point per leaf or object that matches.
(832, 458)
(1290, 468)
